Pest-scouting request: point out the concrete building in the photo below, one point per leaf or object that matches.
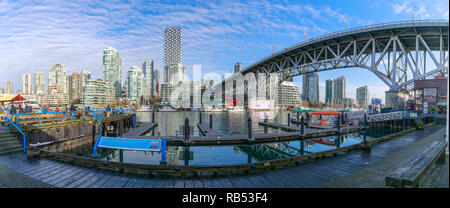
(98, 93)
(112, 69)
(310, 87)
(238, 67)
(147, 70)
(9, 88)
(2, 91)
(166, 92)
(172, 50)
(177, 73)
(155, 82)
(431, 94)
(39, 83)
(73, 85)
(26, 84)
(288, 95)
(55, 95)
(135, 84)
(329, 91)
(363, 96)
(348, 102)
(84, 76)
(57, 75)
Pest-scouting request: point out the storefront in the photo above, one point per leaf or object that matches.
(431, 95)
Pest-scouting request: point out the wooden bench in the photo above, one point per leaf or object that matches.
(409, 174)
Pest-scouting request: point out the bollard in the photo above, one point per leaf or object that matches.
(186, 130)
(210, 122)
(159, 135)
(200, 118)
(298, 118)
(302, 129)
(289, 119)
(249, 124)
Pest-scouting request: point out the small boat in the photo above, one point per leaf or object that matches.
(145, 109)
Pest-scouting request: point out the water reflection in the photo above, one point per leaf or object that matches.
(231, 154)
(227, 123)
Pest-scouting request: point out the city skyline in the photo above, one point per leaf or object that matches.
(231, 40)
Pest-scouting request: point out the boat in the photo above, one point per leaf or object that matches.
(324, 119)
(145, 109)
(235, 109)
(166, 108)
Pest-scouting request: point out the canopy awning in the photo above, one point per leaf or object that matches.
(11, 98)
(326, 113)
(301, 111)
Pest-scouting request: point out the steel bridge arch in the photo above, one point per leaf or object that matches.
(409, 43)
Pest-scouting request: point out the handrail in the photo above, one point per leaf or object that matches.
(95, 114)
(24, 137)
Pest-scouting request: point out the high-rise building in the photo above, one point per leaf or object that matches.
(98, 93)
(340, 89)
(73, 85)
(135, 83)
(362, 96)
(2, 91)
(39, 83)
(26, 84)
(9, 88)
(155, 83)
(84, 76)
(147, 70)
(57, 75)
(172, 50)
(329, 91)
(177, 73)
(310, 87)
(288, 95)
(112, 69)
(237, 67)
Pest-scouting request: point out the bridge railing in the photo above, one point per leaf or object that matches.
(58, 117)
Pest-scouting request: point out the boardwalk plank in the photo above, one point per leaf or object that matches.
(72, 179)
(97, 176)
(102, 181)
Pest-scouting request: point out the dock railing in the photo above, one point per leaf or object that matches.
(59, 117)
(24, 137)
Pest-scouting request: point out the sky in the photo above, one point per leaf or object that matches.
(215, 34)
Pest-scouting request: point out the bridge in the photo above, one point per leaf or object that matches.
(397, 53)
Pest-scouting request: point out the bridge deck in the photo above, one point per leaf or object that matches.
(308, 175)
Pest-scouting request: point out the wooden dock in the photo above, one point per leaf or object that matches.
(144, 127)
(312, 174)
(206, 131)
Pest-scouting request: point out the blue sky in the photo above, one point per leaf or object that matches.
(216, 34)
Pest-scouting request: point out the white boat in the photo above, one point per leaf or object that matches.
(167, 109)
(145, 109)
(235, 109)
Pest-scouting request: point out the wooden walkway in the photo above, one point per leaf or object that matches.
(206, 131)
(307, 175)
(144, 127)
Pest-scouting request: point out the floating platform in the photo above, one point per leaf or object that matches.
(144, 127)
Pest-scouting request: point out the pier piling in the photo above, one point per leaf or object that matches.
(210, 122)
(289, 119)
(200, 118)
(302, 129)
(249, 123)
(186, 131)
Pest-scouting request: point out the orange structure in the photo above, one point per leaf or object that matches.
(324, 119)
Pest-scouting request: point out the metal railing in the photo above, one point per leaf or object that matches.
(72, 115)
(341, 33)
(24, 137)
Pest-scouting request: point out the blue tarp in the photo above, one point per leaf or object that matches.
(130, 144)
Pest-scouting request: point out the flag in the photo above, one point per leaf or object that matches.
(273, 48)
(254, 57)
(306, 34)
(346, 21)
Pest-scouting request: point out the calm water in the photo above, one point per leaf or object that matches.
(227, 123)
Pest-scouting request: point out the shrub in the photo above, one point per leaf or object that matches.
(419, 124)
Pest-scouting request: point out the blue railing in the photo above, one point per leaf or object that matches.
(24, 137)
(77, 115)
